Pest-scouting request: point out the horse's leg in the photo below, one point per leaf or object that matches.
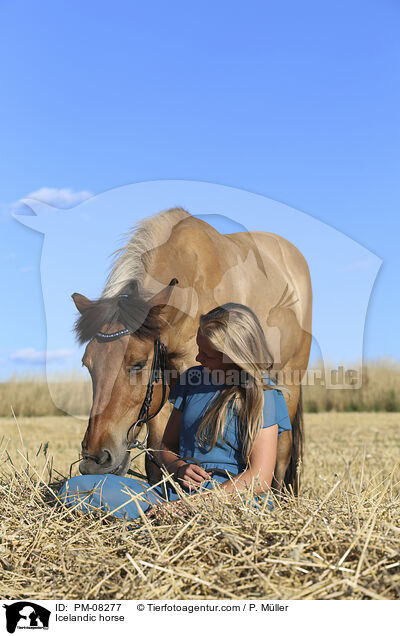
(289, 444)
(293, 470)
(283, 455)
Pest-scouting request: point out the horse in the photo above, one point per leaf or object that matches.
(173, 268)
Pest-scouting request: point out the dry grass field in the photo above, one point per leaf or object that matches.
(340, 539)
(30, 395)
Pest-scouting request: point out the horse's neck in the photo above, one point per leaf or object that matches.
(180, 340)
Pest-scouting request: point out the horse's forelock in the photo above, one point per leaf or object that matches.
(133, 312)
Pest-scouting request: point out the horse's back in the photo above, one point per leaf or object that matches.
(274, 246)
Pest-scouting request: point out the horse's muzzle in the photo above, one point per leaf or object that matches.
(104, 463)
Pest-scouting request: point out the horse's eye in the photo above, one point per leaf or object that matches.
(138, 366)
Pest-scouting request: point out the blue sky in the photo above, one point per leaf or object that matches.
(297, 102)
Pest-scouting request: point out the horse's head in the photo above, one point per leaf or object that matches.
(119, 366)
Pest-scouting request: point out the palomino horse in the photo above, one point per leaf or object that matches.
(139, 307)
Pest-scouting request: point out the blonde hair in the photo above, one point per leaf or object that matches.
(235, 330)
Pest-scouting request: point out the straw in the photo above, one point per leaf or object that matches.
(338, 540)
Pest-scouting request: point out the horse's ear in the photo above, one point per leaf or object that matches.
(160, 300)
(81, 302)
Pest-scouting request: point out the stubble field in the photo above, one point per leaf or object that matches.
(338, 540)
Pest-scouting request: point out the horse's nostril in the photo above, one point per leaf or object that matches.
(104, 458)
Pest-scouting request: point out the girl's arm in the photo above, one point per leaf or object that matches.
(170, 443)
(261, 464)
(190, 475)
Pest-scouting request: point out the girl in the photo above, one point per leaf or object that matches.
(224, 426)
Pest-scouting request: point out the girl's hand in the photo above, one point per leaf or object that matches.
(191, 476)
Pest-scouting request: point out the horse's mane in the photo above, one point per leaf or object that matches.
(130, 265)
(128, 309)
(132, 260)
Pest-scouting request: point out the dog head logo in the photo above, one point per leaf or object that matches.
(26, 615)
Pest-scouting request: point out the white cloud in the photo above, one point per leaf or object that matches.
(57, 197)
(31, 356)
(60, 198)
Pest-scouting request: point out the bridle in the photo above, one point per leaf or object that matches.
(157, 372)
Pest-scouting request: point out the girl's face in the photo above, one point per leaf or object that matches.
(209, 357)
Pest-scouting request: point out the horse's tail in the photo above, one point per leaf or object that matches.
(293, 471)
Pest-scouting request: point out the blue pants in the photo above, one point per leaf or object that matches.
(122, 496)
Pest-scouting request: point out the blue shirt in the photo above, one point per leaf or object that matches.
(192, 395)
